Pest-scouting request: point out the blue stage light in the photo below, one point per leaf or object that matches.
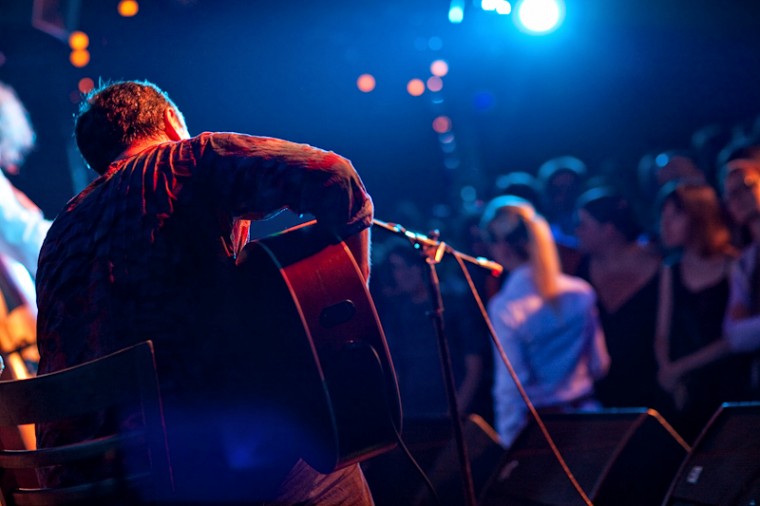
(540, 16)
(499, 6)
(456, 11)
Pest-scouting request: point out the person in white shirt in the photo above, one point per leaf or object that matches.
(22, 225)
(546, 321)
(22, 230)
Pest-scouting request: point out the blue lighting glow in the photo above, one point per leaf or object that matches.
(484, 101)
(456, 11)
(500, 6)
(540, 16)
(504, 8)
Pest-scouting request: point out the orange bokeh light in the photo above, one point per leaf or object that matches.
(86, 85)
(79, 58)
(366, 83)
(415, 87)
(442, 124)
(435, 83)
(128, 8)
(439, 68)
(78, 40)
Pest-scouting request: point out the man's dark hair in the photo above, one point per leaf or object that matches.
(605, 205)
(114, 115)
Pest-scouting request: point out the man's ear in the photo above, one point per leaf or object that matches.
(174, 126)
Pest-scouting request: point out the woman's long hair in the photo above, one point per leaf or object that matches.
(529, 235)
(707, 225)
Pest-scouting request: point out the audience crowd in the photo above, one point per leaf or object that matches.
(671, 266)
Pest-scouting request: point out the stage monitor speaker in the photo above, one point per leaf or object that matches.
(723, 468)
(484, 452)
(619, 457)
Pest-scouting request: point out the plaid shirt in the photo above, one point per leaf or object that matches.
(142, 253)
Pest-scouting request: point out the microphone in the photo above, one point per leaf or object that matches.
(495, 267)
(425, 241)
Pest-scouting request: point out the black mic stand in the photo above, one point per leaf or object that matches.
(432, 250)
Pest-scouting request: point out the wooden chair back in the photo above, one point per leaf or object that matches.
(122, 384)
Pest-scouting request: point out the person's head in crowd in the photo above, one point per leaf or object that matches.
(604, 218)
(517, 235)
(740, 147)
(562, 180)
(676, 165)
(741, 191)
(406, 268)
(645, 173)
(706, 144)
(114, 116)
(16, 133)
(691, 218)
(520, 184)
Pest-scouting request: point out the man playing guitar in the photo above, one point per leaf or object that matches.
(145, 252)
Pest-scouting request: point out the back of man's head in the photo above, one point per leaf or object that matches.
(114, 116)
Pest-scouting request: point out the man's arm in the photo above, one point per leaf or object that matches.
(254, 176)
(741, 329)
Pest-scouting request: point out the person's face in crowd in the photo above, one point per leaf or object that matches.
(408, 278)
(590, 232)
(742, 194)
(562, 190)
(674, 225)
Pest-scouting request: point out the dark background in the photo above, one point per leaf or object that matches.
(617, 80)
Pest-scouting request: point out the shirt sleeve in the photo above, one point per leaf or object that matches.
(743, 335)
(255, 176)
(22, 226)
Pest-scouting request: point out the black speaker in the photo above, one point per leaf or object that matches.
(723, 468)
(446, 475)
(619, 458)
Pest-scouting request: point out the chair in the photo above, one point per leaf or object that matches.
(122, 382)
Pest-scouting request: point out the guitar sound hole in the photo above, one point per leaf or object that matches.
(334, 315)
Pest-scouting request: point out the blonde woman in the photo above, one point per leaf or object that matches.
(545, 320)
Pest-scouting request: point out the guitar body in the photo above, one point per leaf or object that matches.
(324, 358)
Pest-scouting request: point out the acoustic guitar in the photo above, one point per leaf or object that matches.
(324, 354)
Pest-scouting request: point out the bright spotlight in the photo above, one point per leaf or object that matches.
(540, 16)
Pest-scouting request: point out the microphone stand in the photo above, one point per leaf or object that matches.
(432, 250)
